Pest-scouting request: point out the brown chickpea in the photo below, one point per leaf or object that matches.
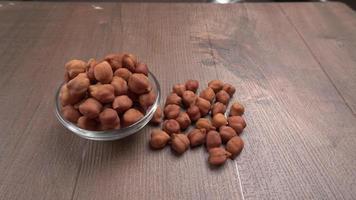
(88, 124)
(219, 120)
(122, 103)
(123, 73)
(78, 85)
(102, 92)
(218, 156)
(141, 68)
(90, 108)
(171, 111)
(70, 113)
(147, 100)
(173, 98)
(194, 113)
(157, 116)
(129, 61)
(69, 99)
(208, 94)
(159, 139)
(204, 123)
(213, 139)
(131, 116)
(183, 120)
(222, 97)
(103, 72)
(90, 70)
(226, 133)
(229, 89)
(109, 119)
(179, 89)
(203, 105)
(235, 146)
(115, 60)
(197, 137)
(180, 143)
(171, 126)
(75, 67)
(139, 83)
(192, 85)
(218, 108)
(120, 85)
(237, 109)
(189, 98)
(237, 123)
(216, 85)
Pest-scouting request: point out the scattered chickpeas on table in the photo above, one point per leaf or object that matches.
(183, 108)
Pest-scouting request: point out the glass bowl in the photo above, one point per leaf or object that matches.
(114, 134)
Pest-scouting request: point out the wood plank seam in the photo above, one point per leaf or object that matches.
(213, 57)
(78, 172)
(317, 60)
(85, 146)
(240, 183)
(211, 52)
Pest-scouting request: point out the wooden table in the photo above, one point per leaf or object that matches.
(294, 66)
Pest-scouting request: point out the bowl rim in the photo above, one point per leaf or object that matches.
(114, 133)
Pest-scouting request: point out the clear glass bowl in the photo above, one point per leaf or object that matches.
(114, 134)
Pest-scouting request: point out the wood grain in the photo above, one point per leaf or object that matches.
(332, 42)
(294, 149)
(301, 132)
(39, 159)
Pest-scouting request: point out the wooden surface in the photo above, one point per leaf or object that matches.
(293, 65)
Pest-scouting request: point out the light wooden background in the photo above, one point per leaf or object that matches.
(294, 66)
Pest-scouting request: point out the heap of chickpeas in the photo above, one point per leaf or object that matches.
(107, 94)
